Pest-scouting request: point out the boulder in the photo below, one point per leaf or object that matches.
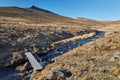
(61, 74)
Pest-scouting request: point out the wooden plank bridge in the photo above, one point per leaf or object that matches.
(34, 63)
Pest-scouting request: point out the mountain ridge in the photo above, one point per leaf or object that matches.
(41, 15)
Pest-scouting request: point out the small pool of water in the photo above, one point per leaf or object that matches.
(10, 74)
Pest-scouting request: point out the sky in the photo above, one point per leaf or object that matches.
(92, 9)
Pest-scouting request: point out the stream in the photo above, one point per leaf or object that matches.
(62, 48)
(12, 74)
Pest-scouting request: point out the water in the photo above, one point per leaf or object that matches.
(62, 48)
(12, 74)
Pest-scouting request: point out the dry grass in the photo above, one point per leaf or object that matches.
(21, 28)
(74, 38)
(91, 61)
(19, 33)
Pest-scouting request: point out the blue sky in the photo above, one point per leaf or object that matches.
(93, 9)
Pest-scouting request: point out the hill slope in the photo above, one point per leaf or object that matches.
(41, 16)
(36, 29)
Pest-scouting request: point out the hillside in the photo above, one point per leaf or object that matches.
(41, 16)
(45, 33)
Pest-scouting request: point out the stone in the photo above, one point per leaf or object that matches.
(96, 46)
(115, 57)
(113, 47)
(59, 74)
(117, 71)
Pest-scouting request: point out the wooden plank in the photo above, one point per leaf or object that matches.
(35, 64)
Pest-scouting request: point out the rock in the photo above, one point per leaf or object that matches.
(49, 61)
(96, 46)
(93, 58)
(113, 47)
(35, 49)
(109, 40)
(117, 71)
(104, 71)
(59, 75)
(55, 75)
(115, 57)
(84, 70)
